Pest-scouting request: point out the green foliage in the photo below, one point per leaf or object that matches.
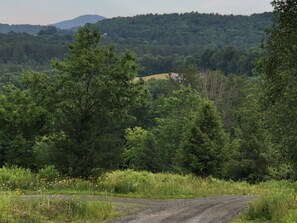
(227, 92)
(250, 151)
(203, 146)
(172, 115)
(140, 150)
(161, 88)
(282, 171)
(44, 149)
(90, 99)
(49, 173)
(142, 107)
(21, 120)
(189, 134)
(279, 70)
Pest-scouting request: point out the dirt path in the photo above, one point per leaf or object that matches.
(201, 210)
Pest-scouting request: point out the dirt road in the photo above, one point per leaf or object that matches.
(203, 210)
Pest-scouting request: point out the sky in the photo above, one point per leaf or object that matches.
(46, 12)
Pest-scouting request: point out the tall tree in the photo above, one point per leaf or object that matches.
(279, 69)
(202, 149)
(250, 152)
(173, 113)
(93, 91)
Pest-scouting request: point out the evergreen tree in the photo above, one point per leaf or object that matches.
(203, 147)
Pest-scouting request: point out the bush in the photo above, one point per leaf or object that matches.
(49, 173)
(16, 178)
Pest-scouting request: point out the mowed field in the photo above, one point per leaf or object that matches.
(164, 76)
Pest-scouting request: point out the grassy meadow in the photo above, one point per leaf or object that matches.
(275, 201)
(164, 76)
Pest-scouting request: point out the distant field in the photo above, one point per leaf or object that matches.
(164, 76)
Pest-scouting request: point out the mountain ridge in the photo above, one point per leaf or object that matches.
(78, 21)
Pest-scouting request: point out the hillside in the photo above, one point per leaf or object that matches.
(79, 21)
(162, 43)
(31, 29)
(186, 33)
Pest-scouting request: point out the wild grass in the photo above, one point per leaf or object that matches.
(16, 209)
(160, 186)
(121, 183)
(46, 180)
(276, 203)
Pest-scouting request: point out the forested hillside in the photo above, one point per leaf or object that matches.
(185, 34)
(21, 51)
(162, 43)
(209, 41)
(31, 29)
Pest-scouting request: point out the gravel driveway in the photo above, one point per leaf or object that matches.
(201, 210)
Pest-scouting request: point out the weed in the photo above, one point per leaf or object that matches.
(15, 209)
(165, 185)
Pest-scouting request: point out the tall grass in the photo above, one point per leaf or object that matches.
(47, 179)
(13, 178)
(276, 203)
(15, 209)
(148, 185)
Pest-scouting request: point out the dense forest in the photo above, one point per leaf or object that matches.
(88, 115)
(162, 43)
(185, 34)
(19, 51)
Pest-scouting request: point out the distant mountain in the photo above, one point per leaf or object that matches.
(79, 21)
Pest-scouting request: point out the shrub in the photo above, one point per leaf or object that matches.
(49, 173)
(13, 178)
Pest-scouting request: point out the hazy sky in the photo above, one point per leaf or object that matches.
(51, 11)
